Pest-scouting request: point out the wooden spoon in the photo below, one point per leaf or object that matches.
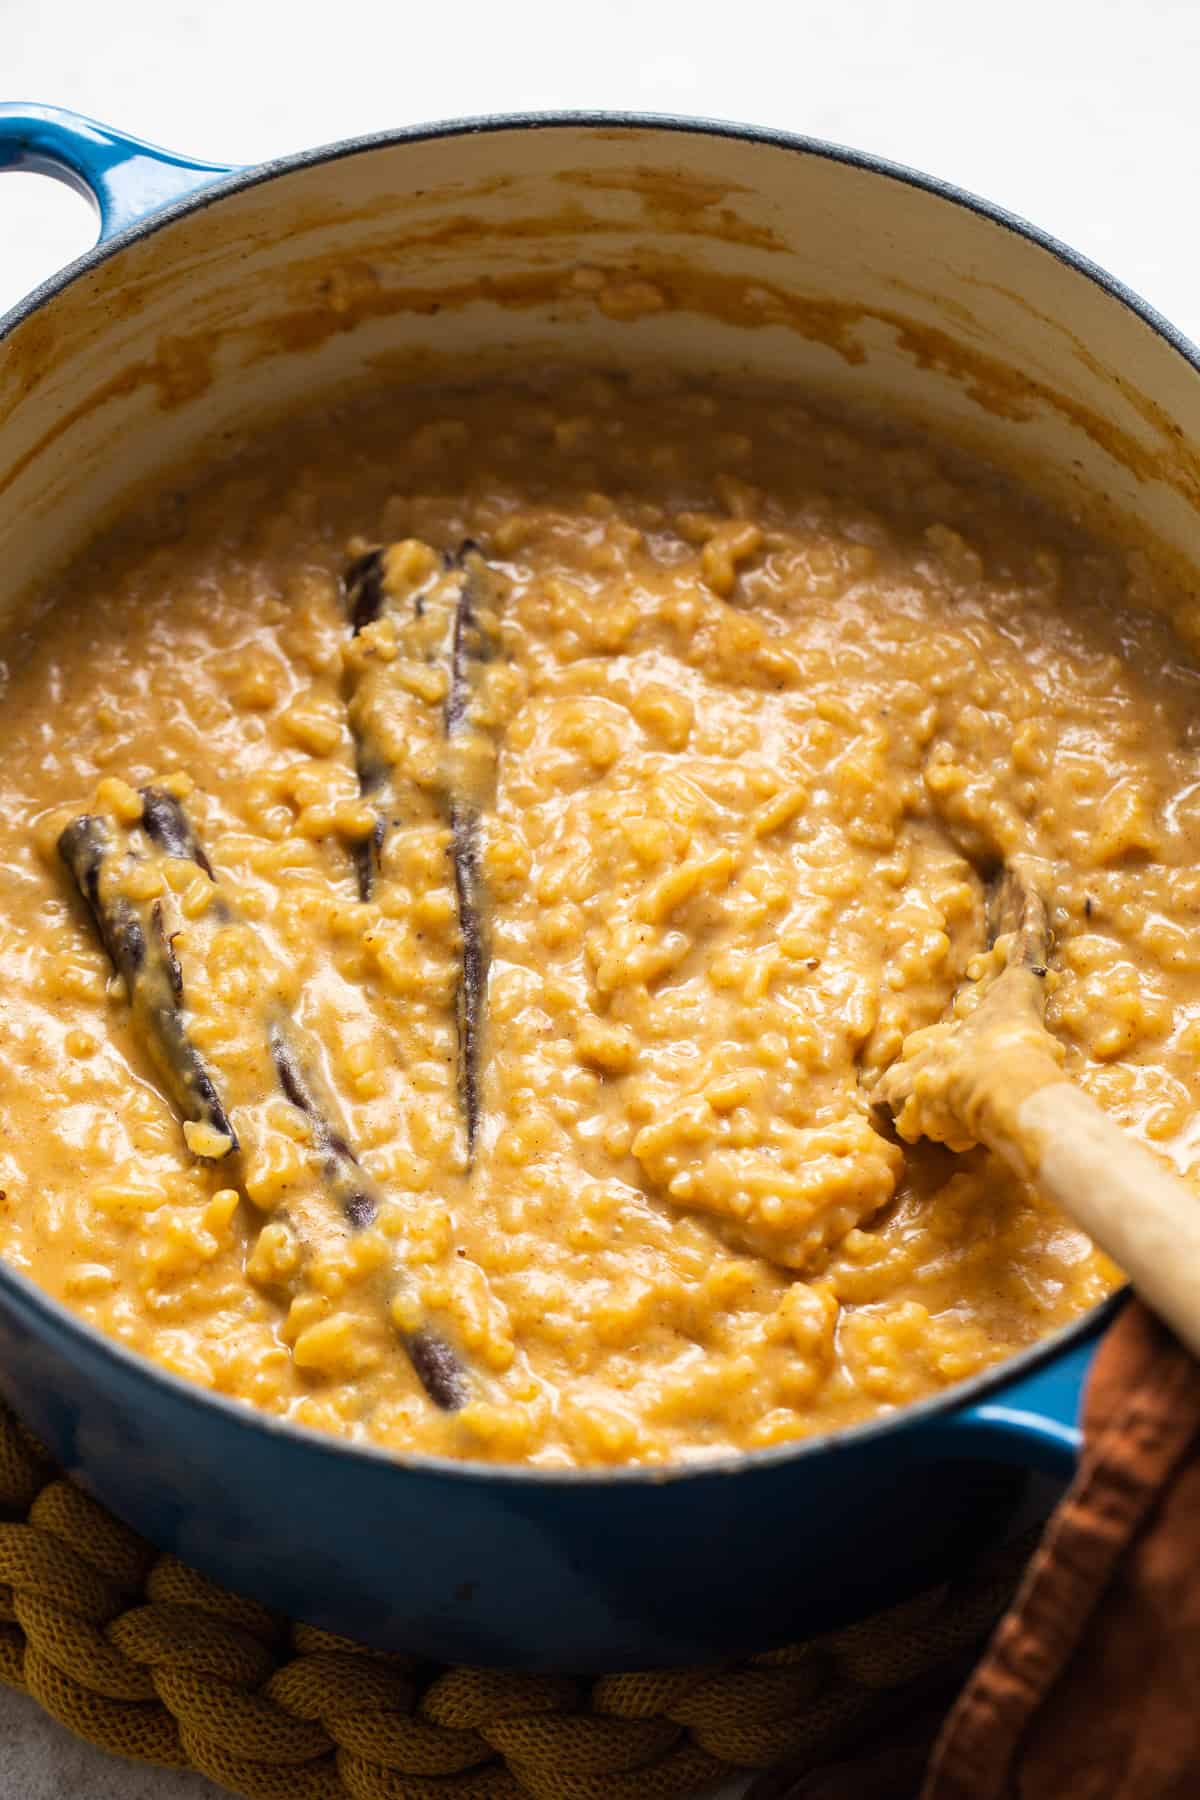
(995, 1077)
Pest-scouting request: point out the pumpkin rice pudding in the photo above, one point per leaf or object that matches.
(465, 861)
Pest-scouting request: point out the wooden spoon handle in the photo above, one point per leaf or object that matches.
(1144, 1217)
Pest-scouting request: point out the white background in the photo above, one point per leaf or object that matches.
(1081, 114)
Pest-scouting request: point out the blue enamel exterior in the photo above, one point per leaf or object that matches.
(509, 1566)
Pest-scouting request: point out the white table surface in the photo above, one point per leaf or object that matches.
(1080, 114)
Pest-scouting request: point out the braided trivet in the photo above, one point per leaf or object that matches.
(140, 1655)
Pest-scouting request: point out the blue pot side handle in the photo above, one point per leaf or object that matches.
(1033, 1420)
(122, 177)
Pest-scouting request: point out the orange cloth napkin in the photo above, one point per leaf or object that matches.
(1090, 1686)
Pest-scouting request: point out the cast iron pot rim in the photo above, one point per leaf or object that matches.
(29, 1299)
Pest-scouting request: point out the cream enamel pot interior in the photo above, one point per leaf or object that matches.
(218, 299)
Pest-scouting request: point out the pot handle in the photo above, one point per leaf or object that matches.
(1033, 1420)
(122, 177)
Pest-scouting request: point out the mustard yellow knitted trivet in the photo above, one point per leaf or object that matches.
(145, 1658)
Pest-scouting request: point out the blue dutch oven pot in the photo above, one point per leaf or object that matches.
(837, 270)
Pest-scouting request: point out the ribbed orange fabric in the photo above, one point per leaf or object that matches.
(1089, 1687)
